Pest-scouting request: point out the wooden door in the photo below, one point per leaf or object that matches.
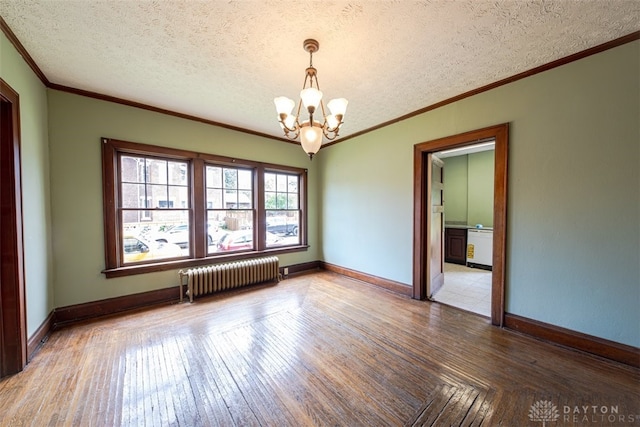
(13, 341)
(435, 232)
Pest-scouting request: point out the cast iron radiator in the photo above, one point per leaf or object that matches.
(220, 277)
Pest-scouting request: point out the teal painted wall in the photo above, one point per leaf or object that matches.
(456, 183)
(480, 189)
(468, 189)
(573, 196)
(36, 212)
(76, 125)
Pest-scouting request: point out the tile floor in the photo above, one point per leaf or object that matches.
(466, 288)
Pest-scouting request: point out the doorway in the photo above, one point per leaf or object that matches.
(13, 339)
(468, 228)
(423, 233)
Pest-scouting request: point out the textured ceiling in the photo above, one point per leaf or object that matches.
(225, 61)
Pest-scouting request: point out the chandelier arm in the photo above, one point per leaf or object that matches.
(288, 132)
(324, 115)
(304, 83)
(315, 77)
(330, 134)
(287, 129)
(336, 128)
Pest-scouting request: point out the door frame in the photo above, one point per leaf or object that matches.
(422, 210)
(13, 337)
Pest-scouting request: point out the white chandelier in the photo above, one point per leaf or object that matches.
(310, 131)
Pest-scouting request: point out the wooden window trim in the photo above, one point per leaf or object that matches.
(197, 162)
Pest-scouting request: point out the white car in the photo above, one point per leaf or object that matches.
(137, 248)
(179, 235)
(242, 239)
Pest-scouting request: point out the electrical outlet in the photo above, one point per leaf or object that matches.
(286, 271)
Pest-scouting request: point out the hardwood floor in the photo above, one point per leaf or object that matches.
(317, 349)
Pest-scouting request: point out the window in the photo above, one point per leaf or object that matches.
(167, 208)
(230, 219)
(282, 206)
(148, 189)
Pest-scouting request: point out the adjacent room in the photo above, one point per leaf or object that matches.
(468, 234)
(319, 213)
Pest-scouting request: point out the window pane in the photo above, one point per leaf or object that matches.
(133, 196)
(270, 181)
(235, 231)
(281, 201)
(230, 178)
(132, 169)
(282, 228)
(293, 184)
(153, 235)
(157, 194)
(230, 199)
(270, 200)
(136, 216)
(179, 197)
(214, 177)
(178, 173)
(157, 171)
(214, 199)
(292, 202)
(281, 183)
(245, 179)
(216, 229)
(244, 200)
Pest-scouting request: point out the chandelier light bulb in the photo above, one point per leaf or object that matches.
(338, 106)
(311, 98)
(332, 122)
(284, 105)
(290, 121)
(310, 138)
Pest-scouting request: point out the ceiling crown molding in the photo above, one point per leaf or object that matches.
(559, 62)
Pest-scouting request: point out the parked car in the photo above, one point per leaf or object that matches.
(179, 235)
(281, 227)
(242, 239)
(137, 248)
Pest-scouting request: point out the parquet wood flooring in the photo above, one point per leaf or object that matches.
(317, 349)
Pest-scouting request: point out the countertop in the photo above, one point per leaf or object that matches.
(466, 227)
